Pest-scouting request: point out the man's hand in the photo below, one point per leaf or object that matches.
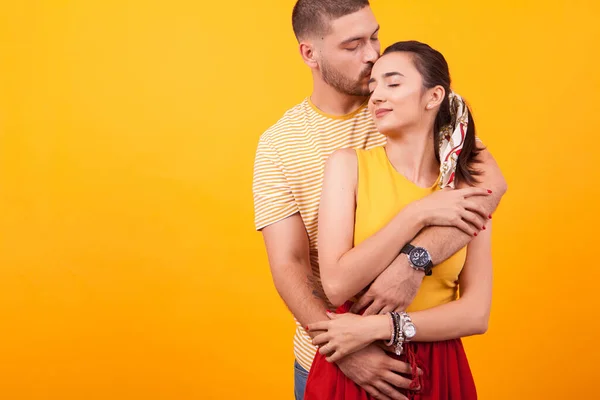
(393, 290)
(377, 373)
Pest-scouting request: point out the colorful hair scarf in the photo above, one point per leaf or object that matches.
(452, 138)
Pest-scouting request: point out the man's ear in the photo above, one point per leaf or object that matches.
(308, 53)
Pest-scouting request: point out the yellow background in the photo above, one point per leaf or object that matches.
(129, 264)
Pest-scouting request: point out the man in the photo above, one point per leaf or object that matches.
(338, 41)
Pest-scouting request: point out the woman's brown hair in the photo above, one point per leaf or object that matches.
(433, 67)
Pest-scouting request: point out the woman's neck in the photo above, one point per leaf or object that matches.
(412, 154)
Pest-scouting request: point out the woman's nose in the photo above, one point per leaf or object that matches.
(375, 98)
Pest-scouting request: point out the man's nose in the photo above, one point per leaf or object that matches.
(372, 54)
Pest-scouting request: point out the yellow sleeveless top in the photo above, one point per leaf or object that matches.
(382, 192)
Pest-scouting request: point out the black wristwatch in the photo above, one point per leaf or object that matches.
(418, 258)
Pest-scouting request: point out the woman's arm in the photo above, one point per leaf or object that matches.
(467, 316)
(345, 270)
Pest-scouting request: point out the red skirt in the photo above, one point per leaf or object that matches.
(446, 374)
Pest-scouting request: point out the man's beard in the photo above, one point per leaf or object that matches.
(343, 84)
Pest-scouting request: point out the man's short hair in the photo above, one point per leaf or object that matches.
(312, 17)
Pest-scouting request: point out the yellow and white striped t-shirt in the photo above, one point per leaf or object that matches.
(288, 175)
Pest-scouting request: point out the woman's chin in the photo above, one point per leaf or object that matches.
(386, 129)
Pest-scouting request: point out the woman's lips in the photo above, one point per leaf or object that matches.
(382, 112)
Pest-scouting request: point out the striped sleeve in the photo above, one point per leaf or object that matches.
(273, 199)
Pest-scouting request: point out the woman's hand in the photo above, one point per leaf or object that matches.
(347, 333)
(453, 207)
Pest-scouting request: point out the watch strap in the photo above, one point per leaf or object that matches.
(428, 268)
(407, 248)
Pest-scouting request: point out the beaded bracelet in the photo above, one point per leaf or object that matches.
(399, 342)
(393, 329)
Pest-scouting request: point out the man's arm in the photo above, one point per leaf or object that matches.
(396, 287)
(346, 268)
(441, 241)
(288, 252)
(467, 316)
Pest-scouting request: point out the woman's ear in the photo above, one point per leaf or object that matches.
(436, 96)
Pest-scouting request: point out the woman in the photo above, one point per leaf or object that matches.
(373, 201)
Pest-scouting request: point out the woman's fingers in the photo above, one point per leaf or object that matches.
(331, 315)
(327, 349)
(463, 226)
(474, 191)
(321, 339)
(476, 208)
(336, 356)
(318, 326)
(472, 219)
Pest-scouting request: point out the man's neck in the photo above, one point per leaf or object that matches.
(332, 102)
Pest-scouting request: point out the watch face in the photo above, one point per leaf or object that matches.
(410, 331)
(419, 257)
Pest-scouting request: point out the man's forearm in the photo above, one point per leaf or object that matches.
(301, 292)
(442, 241)
(289, 259)
(396, 286)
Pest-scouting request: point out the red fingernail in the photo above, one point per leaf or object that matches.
(489, 191)
(490, 216)
(475, 233)
(307, 328)
(483, 227)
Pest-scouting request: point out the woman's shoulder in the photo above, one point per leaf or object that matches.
(342, 166)
(351, 158)
(343, 158)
